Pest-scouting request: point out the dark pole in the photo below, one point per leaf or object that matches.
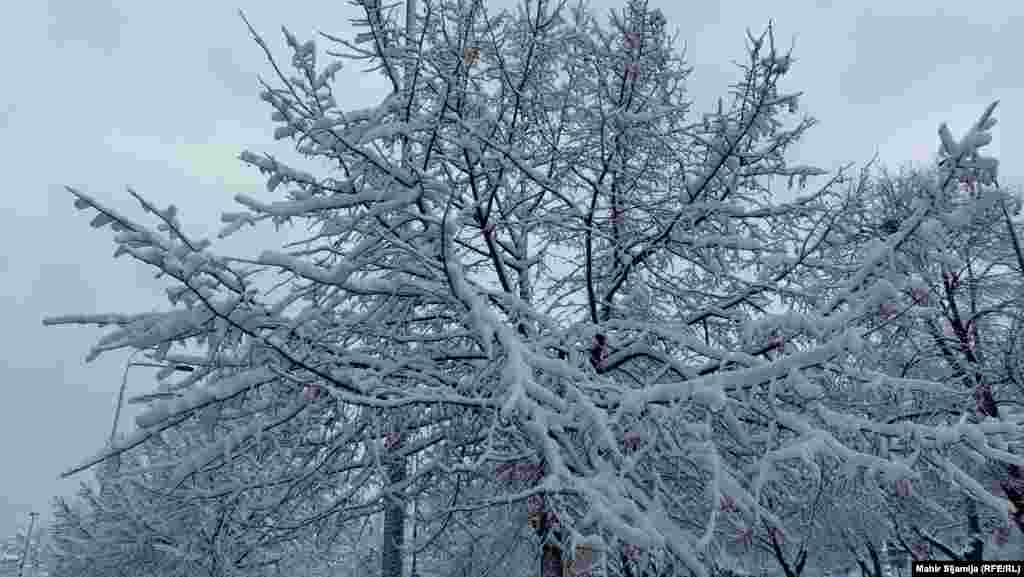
(28, 540)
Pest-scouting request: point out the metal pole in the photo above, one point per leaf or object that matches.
(115, 463)
(120, 398)
(28, 540)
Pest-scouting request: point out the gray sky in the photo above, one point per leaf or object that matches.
(161, 96)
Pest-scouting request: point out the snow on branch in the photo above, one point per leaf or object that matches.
(458, 291)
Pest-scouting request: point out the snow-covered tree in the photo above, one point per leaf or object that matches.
(980, 304)
(135, 521)
(947, 316)
(526, 256)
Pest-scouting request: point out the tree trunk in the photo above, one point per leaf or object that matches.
(542, 521)
(976, 545)
(393, 534)
(393, 537)
(552, 561)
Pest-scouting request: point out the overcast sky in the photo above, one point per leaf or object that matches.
(162, 96)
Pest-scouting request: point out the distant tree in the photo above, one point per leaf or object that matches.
(131, 523)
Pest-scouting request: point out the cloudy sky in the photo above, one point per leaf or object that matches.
(162, 96)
